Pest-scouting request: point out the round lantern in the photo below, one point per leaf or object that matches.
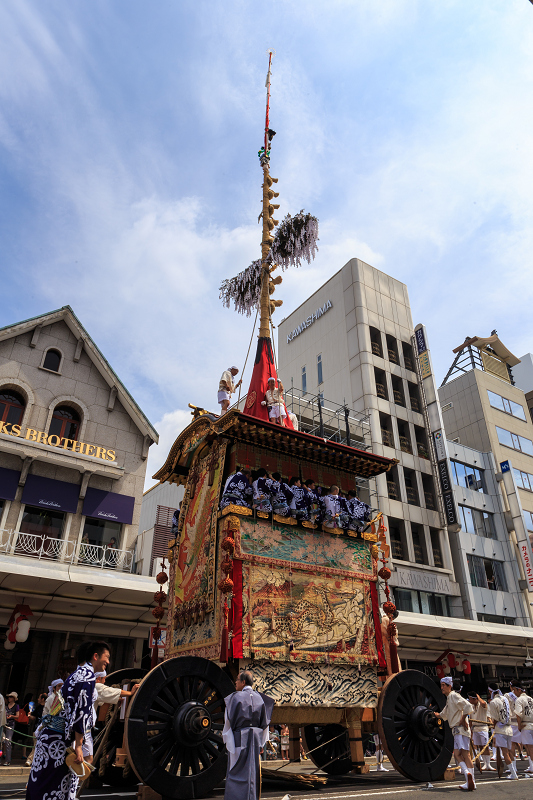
(451, 660)
(440, 671)
(467, 667)
(23, 629)
(9, 645)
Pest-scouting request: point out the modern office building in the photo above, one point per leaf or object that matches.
(73, 450)
(483, 409)
(353, 343)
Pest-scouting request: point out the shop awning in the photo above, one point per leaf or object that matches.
(51, 494)
(108, 505)
(9, 481)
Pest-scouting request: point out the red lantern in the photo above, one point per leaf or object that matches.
(440, 671)
(451, 660)
(467, 667)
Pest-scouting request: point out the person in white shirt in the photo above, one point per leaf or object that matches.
(53, 689)
(500, 713)
(479, 720)
(102, 694)
(455, 713)
(274, 402)
(512, 695)
(226, 387)
(524, 715)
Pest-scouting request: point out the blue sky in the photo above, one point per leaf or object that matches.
(130, 185)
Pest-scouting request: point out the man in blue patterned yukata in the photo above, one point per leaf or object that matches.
(358, 512)
(50, 778)
(237, 490)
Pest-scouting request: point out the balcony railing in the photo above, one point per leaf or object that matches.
(408, 363)
(392, 490)
(48, 548)
(430, 501)
(393, 357)
(422, 450)
(399, 399)
(376, 349)
(415, 405)
(412, 496)
(397, 549)
(380, 391)
(405, 445)
(386, 438)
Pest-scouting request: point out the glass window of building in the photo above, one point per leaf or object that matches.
(11, 407)
(515, 441)
(467, 476)
(101, 532)
(508, 406)
(495, 618)
(486, 573)
(480, 523)
(398, 548)
(304, 380)
(419, 544)
(52, 360)
(523, 479)
(528, 516)
(421, 602)
(319, 368)
(42, 522)
(435, 546)
(65, 423)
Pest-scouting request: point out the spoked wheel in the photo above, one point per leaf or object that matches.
(174, 728)
(106, 771)
(331, 748)
(418, 744)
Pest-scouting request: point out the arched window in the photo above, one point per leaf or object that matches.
(52, 360)
(12, 407)
(65, 423)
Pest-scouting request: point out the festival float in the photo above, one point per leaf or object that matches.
(296, 602)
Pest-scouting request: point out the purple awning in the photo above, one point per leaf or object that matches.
(51, 494)
(9, 481)
(108, 505)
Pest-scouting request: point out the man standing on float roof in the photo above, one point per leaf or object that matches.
(226, 387)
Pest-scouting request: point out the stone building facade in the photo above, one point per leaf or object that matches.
(73, 455)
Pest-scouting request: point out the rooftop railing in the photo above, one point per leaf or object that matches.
(49, 548)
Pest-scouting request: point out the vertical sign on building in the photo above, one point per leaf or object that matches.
(522, 536)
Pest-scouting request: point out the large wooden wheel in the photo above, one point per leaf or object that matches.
(330, 748)
(418, 744)
(107, 772)
(174, 725)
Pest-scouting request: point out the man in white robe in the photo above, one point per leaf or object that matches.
(245, 733)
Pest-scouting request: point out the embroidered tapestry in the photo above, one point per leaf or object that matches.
(298, 616)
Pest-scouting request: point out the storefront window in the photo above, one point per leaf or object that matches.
(42, 522)
(102, 533)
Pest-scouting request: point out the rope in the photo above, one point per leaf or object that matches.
(247, 354)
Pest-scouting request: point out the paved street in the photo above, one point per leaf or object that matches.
(350, 788)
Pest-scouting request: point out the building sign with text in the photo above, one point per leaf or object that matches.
(69, 445)
(306, 323)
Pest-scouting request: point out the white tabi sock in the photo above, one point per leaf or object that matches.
(513, 775)
(486, 759)
(471, 771)
(530, 762)
(464, 770)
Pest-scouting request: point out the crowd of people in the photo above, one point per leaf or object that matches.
(470, 718)
(304, 501)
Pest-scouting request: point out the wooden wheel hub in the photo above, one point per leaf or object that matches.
(192, 723)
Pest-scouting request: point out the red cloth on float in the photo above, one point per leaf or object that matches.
(264, 369)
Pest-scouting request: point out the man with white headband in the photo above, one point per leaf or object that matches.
(226, 387)
(515, 690)
(523, 708)
(455, 713)
(53, 689)
(500, 712)
(479, 726)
